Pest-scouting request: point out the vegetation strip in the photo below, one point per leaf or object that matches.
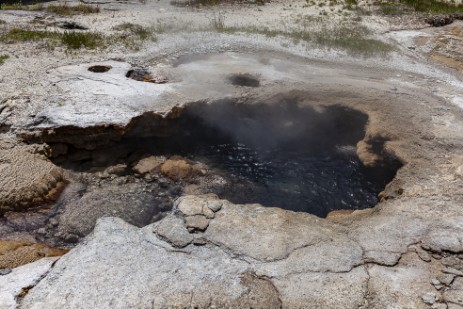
(60, 9)
(354, 41)
(131, 37)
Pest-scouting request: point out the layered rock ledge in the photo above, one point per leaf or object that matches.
(211, 253)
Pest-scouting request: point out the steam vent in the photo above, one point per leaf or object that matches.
(231, 154)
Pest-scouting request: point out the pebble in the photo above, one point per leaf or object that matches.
(42, 231)
(446, 279)
(451, 261)
(435, 282)
(199, 241)
(215, 205)
(53, 222)
(453, 271)
(439, 287)
(439, 306)
(423, 255)
(208, 212)
(71, 238)
(425, 247)
(119, 169)
(196, 223)
(5, 271)
(173, 230)
(429, 298)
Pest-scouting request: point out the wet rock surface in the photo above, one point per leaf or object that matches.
(89, 196)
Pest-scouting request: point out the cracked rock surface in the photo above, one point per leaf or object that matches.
(251, 256)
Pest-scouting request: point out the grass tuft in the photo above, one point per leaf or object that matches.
(3, 58)
(16, 35)
(72, 10)
(72, 40)
(139, 31)
(218, 23)
(76, 40)
(133, 35)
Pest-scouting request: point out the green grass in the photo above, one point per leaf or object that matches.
(72, 40)
(295, 36)
(89, 40)
(132, 35)
(400, 7)
(142, 33)
(350, 4)
(20, 7)
(393, 9)
(3, 58)
(212, 2)
(21, 35)
(77, 40)
(433, 6)
(72, 10)
(354, 40)
(60, 9)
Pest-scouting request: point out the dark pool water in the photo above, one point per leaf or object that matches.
(296, 180)
(285, 155)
